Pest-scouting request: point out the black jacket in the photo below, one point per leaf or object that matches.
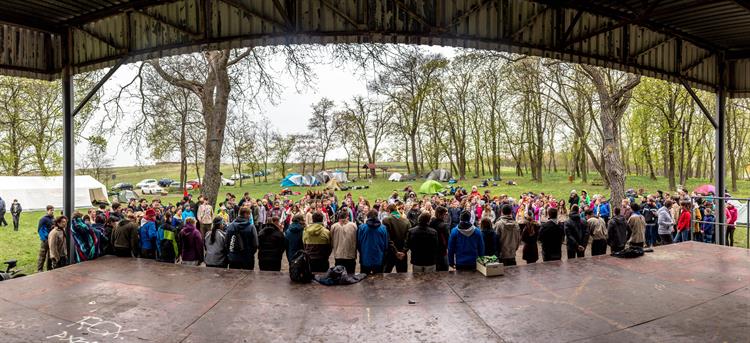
(551, 235)
(246, 231)
(443, 232)
(617, 232)
(423, 243)
(576, 232)
(271, 243)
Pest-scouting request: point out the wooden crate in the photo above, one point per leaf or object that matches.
(491, 269)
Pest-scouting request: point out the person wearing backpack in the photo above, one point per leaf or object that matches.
(242, 242)
(166, 241)
(271, 246)
(293, 235)
(215, 244)
(372, 244)
(317, 242)
(191, 244)
(650, 217)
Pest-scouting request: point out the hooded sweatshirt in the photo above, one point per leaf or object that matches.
(317, 241)
(510, 237)
(147, 233)
(423, 243)
(665, 221)
(344, 240)
(465, 244)
(191, 243)
(45, 225)
(293, 239)
(271, 243)
(249, 236)
(372, 243)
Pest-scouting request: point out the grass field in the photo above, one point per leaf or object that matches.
(24, 244)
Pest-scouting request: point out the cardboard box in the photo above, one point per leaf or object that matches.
(491, 269)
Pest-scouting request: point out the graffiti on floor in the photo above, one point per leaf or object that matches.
(91, 329)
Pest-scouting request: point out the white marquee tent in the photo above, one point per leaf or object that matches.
(36, 192)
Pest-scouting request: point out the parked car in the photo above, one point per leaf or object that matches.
(122, 186)
(153, 189)
(240, 176)
(145, 182)
(176, 185)
(165, 182)
(261, 173)
(194, 183)
(226, 182)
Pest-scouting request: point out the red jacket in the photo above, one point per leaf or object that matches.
(731, 215)
(683, 223)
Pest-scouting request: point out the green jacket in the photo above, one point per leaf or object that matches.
(317, 241)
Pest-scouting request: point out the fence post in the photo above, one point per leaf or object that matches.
(747, 225)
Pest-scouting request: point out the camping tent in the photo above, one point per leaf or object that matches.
(439, 175)
(430, 187)
(36, 192)
(309, 180)
(395, 177)
(323, 176)
(291, 180)
(340, 176)
(333, 185)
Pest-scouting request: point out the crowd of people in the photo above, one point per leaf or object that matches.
(430, 232)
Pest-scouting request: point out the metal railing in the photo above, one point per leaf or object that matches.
(720, 236)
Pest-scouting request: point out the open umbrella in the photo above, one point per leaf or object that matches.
(705, 190)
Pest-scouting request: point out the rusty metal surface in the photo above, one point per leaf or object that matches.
(683, 292)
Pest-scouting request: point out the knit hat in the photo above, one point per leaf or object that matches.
(150, 215)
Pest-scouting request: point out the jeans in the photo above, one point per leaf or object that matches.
(423, 269)
(348, 263)
(370, 269)
(651, 234)
(598, 247)
(665, 239)
(2, 219)
(247, 265)
(682, 236)
(698, 236)
(16, 220)
(402, 266)
(730, 235)
(442, 264)
(573, 253)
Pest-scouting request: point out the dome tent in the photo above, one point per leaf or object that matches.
(395, 177)
(431, 187)
(439, 175)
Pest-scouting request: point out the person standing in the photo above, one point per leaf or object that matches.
(637, 227)
(576, 234)
(2, 213)
(317, 242)
(191, 244)
(551, 235)
(293, 236)
(489, 236)
(147, 234)
(650, 217)
(344, 239)
(510, 236)
(372, 244)
(439, 223)
(215, 244)
(683, 224)
(465, 244)
(598, 229)
(731, 217)
(397, 227)
(665, 222)
(15, 212)
(422, 241)
(271, 245)
(529, 236)
(242, 241)
(205, 216)
(57, 251)
(617, 230)
(43, 229)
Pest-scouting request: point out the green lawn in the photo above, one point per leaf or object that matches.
(24, 244)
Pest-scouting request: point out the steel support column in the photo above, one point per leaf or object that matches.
(721, 108)
(68, 145)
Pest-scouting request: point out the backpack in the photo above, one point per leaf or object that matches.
(236, 243)
(649, 215)
(299, 267)
(629, 252)
(167, 246)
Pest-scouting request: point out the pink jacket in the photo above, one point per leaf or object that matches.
(731, 215)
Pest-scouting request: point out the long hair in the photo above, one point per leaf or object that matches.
(216, 226)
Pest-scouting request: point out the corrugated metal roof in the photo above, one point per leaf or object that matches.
(668, 39)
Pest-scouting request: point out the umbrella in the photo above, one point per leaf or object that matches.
(705, 190)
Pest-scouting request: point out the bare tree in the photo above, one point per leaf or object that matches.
(370, 121)
(283, 148)
(322, 126)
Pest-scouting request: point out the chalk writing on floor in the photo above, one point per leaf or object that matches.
(90, 329)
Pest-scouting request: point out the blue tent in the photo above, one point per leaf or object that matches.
(291, 180)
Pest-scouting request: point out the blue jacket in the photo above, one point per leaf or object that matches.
(147, 233)
(293, 236)
(45, 224)
(604, 210)
(186, 213)
(372, 243)
(463, 250)
(707, 228)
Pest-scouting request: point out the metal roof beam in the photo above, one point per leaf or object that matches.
(115, 10)
(600, 31)
(249, 12)
(697, 62)
(283, 11)
(101, 38)
(98, 85)
(651, 47)
(163, 21)
(343, 15)
(529, 22)
(457, 19)
(416, 16)
(700, 103)
(29, 23)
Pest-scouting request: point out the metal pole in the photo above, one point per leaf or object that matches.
(68, 145)
(747, 225)
(721, 107)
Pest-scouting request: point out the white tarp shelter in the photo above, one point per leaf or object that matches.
(36, 192)
(395, 177)
(741, 212)
(340, 176)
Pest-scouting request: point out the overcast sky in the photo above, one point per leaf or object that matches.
(289, 115)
